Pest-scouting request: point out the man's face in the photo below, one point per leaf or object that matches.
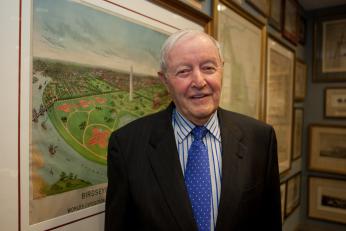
(194, 78)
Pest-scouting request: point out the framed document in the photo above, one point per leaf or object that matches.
(330, 47)
(327, 148)
(279, 95)
(335, 103)
(297, 133)
(327, 199)
(300, 79)
(292, 194)
(242, 40)
(88, 67)
(275, 14)
(262, 6)
(290, 20)
(283, 186)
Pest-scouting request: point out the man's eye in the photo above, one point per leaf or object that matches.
(209, 69)
(182, 72)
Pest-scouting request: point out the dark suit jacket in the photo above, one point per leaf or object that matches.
(146, 189)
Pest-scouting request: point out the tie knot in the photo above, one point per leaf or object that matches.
(199, 132)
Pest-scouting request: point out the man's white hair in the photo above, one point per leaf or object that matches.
(175, 37)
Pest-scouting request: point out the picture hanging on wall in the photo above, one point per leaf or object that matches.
(275, 14)
(327, 199)
(335, 102)
(292, 194)
(242, 41)
(327, 148)
(290, 20)
(283, 186)
(93, 69)
(330, 48)
(300, 79)
(297, 133)
(279, 95)
(262, 6)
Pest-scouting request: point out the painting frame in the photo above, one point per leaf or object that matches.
(204, 6)
(279, 97)
(253, 33)
(293, 193)
(25, 52)
(326, 148)
(335, 102)
(261, 6)
(298, 122)
(283, 189)
(328, 66)
(323, 194)
(275, 14)
(290, 21)
(300, 80)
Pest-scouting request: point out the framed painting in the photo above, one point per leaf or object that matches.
(275, 14)
(290, 20)
(335, 102)
(279, 95)
(283, 186)
(300, 79)
(327, 148)
(297, 133)
(293, 193)
(262, 6)
(204, 6)
(88, 68)
(242, 40)
(330, 47)
(327, 199)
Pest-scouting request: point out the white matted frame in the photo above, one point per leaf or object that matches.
(279, 98)
(143, 13)
(327, 199)
(327, 148)
(335, 102)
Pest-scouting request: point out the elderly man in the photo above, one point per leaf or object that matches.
(193, 166)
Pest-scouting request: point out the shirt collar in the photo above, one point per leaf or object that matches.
(185, 126)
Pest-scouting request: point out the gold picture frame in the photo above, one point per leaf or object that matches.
(335, 102)
(243, 50)
(327, 148)
(279, 97)
(293, 190)
(297, 133)
(327, 199)
(300, 79)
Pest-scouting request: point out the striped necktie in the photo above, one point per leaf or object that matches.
(197, 179)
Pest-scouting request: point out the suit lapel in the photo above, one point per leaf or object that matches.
(163, 156)
(231, 184)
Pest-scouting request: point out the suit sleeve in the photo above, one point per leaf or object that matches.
(272, 216)
(118, 205)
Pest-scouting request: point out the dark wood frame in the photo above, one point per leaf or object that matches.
(291, 36)
(309, 191)
(272, 21)
(283, 206)
(302, 27)
(326, 102)
(291, 178)
(205, 2)
(263, 10)
(310, 145)
(318, 75)
(293, 134)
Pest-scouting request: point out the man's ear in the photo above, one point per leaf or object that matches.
(162, 77)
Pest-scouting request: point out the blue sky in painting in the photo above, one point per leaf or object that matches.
(71, 31)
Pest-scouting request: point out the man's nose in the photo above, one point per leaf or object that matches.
(198, 79)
